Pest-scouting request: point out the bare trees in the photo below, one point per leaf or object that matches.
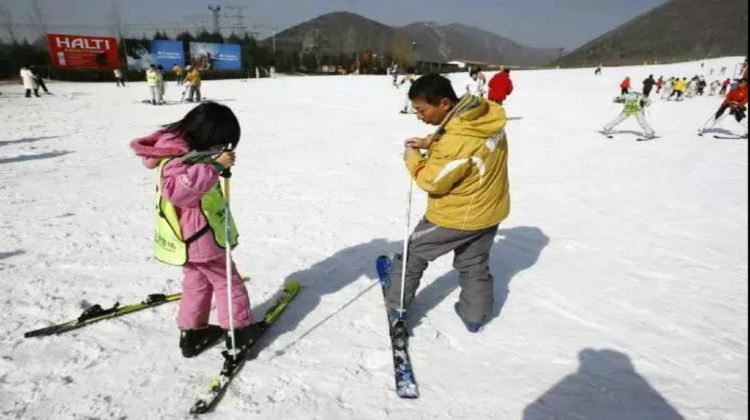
(6, 20)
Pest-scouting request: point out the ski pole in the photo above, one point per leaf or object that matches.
(405, 254)
(710, 120)
(228, 249)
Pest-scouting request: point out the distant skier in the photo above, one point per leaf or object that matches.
(393, 71)
(179, 74)
(725, 86)
(736, 102)
(625, 86)
(668, 88)
(119, 78)
(660, 85)
(411, 77)
(465, 175)
(152, 81)
(714, 88)
(501, 86)
(634, 104)
(680, 86)
(29, 82)
(39, 79)
(161, 77)
(476, 85)
(191, 220)
(598, 71)
(692, 87)
(193, 80)
(648, 85)
(702, 86)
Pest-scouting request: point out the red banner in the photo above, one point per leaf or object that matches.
(81, 51)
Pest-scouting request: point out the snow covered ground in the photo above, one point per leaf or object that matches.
(626, 262)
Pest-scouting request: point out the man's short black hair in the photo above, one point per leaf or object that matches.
(432, 88)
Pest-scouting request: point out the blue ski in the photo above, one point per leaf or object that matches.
(406, 383)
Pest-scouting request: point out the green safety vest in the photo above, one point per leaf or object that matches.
(151, 78)
(169, 245)
(633, 105)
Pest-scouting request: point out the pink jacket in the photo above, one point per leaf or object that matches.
(182, 185)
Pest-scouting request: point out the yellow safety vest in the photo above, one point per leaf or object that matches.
(151, 78)
(170, 246)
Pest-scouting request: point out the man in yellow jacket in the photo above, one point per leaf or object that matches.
(465, 174)
(679, 88)
(193, 81)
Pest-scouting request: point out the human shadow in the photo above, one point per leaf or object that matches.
(515, 250)
(606, 386)
(23, 158)
(26, 140)
(4, 255)
(329, 276)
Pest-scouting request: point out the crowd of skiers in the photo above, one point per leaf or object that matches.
(735, 91)
(679, 88)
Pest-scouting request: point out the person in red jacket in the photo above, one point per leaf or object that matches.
(659, 84)
(625, 86)
(500, 87)
(725, 86)
(736, 101)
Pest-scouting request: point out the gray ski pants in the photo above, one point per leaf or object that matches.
(471, 259)
(641, 117)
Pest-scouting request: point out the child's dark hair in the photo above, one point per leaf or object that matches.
(432, 88)
(207, 126)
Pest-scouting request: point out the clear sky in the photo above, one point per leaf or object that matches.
(536, 23)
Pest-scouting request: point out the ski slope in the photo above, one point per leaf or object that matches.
(621, 273)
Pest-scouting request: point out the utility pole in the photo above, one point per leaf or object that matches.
(239, 19)
(215, 10)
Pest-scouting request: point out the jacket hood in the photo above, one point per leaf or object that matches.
(482, 121)
(157, 146)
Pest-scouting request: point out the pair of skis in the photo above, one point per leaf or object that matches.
(612, 135)
(232, 363)
(702, 133)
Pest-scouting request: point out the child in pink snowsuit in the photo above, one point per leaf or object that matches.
(207, 127)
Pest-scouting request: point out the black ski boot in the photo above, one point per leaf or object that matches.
(193, 342)
(244, 337)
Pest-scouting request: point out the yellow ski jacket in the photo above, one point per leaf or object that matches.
(465, 171)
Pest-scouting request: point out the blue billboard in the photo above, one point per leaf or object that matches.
(205, 56)
(168, 53)
(143, 53)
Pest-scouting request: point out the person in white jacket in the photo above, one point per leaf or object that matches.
(715, 86)
(476, 86)
(29, 82)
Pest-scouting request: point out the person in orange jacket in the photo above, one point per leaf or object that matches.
(735, 102)
(625, 86)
